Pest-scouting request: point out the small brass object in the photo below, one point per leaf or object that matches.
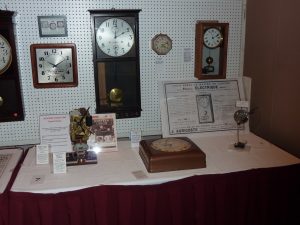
(116, 95)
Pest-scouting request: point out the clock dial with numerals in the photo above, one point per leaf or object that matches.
(5, 54)
(54, 65)
(115, 37)
(212, 37)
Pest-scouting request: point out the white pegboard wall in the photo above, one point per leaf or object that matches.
(175, 18)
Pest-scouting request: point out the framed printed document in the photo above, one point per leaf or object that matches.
(104, 132)
(52, 26)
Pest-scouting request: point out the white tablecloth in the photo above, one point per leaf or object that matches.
(120, 167)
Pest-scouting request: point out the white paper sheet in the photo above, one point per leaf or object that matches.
(54, 131)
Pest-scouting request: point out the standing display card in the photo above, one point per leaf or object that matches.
(54, 131)
(105, 133)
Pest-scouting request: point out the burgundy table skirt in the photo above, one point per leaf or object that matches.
(269, 196)
(4, 197)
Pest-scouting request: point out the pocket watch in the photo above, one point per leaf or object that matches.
(161, 44)
(6, 54)
(54, 65)
(115, 37)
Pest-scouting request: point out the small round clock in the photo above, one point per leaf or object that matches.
(212, 37)
(171, 145)
(6, 54)
(161, 44)
(54, 65)
(115, 37)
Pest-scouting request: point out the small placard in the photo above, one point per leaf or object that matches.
(135, 138)
(42, 154)
(52, 26)
(242, 104)
(59, 162)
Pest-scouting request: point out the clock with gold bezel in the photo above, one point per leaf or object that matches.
(54, 65)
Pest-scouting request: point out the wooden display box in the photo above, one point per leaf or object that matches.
(181, 154)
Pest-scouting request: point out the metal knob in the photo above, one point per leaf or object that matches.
(1, 101)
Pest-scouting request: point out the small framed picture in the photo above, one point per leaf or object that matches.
(52, 26)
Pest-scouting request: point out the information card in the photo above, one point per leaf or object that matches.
(54, 131)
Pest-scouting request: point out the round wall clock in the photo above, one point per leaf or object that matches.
(161, 44)
(54, 65)
(6, 54)
(116, 61)
(11, 105)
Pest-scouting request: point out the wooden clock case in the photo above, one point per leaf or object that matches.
(11, 107)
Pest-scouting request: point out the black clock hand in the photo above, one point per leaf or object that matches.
(121, 34)
(59, 62)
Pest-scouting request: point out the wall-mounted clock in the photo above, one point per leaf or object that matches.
(211, 44)
(115, 39)
(54, 65)
(161, 44)
(11, 106)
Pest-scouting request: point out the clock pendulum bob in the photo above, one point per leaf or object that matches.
(208, 68)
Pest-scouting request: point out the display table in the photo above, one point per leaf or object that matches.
(256, 186)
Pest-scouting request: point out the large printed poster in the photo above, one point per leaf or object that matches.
(198, 106)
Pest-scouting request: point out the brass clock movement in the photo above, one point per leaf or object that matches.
(211, 50)
(115, 38)
(11, 106)
(54, 65)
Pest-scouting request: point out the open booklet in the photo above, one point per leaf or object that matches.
(9, 158)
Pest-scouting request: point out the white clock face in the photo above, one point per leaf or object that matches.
(212, 38)
(115, 37)
(5, 54)
(54, 65)
(171, 145)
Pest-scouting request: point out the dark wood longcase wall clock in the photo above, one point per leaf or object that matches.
(211, 43)
(11, 107)
(115, 38)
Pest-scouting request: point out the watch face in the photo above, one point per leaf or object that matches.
(54, 65)
(161, 44)
(212, 38)
(115, 37)
(5, 54)
(171, 145)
